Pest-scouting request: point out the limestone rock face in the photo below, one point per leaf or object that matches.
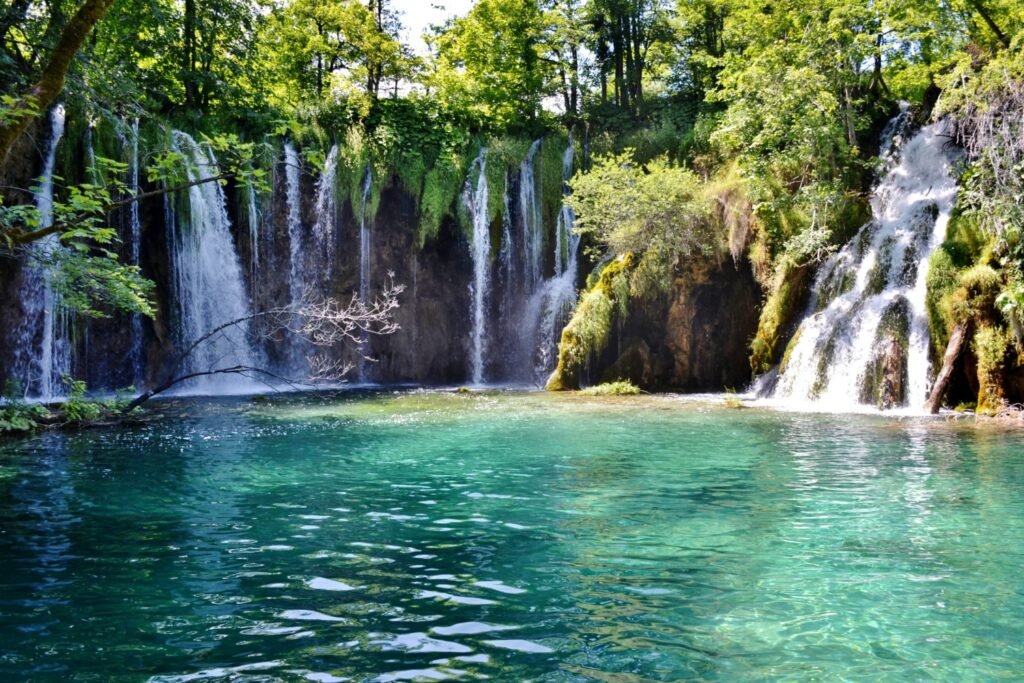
(710, 322)
(694, 338)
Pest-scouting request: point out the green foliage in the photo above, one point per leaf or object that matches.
(588, 331)
(489, 63)
(627, 207)
(943, 278)
(784, 297)
(620, 388)
(991, 346)
(16, 416)
(975, 298)
(441, 188)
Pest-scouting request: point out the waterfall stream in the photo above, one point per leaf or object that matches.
(43, 341)
(208, 289)
(476, 203)
(365, 245)
(551, 306)
(135, 246)
(865, 338)
(326, 208)
(292, 176)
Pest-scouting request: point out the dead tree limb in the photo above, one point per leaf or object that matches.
(322, 322)
(957, 341)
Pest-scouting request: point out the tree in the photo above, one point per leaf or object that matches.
(634, 208)
(622, 35)
(21, 110)
(336, 47)
(489, 62)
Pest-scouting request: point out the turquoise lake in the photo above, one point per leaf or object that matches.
(436, 536)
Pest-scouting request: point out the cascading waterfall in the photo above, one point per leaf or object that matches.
(476, 204)
(551, 305)
(292, 176)
(532, 223)
(135, 247)
(43, 340)
(253, 215)
(867, 316)
(208, 289)
(364, 236)
(326, 208)
(364, 256)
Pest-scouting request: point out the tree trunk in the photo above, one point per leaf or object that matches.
(41, 95)
(980, 8)
(957, 340)
(188, 63)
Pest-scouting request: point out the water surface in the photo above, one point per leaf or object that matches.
(433, 536)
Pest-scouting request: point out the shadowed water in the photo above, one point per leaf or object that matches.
(429, 536)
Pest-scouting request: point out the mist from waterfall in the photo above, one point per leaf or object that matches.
(208, 289)
(873, 290)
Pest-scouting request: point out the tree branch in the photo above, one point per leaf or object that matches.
(41, 95)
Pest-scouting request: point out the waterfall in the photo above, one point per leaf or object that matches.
(867, 320)
(253, 215)
(532, 224)
(551, 305)
(43, 345)
(364, 258)
(365, 237)
(326, 208)
(207, 283)
(135, 247)
(292, 176)
(476, 204)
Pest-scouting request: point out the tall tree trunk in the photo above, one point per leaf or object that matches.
(621, 98)
(982, 11)
(41, 95)
(188, 64)
(957, 340)
(574, 99)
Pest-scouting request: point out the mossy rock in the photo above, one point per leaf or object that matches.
(991, 347)
(783, 304)
(591, 324)
(886, 378)
(620, 388)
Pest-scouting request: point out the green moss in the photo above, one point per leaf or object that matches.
(590, 327)
(991, 344)
(879, 274)
(782, 304)
(942, 281)
(549, 177)
(620, 388)
(790, 347)
(975, 297)
(893, 328)
(966, 240)
(441, 188)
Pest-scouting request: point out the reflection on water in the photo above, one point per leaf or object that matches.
(427, 536)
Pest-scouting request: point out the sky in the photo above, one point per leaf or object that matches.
(417, 15)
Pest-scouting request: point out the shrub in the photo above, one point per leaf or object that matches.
(622, 388)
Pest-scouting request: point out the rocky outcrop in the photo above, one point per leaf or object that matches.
(694, 337)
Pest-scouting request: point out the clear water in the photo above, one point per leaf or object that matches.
(519, 537)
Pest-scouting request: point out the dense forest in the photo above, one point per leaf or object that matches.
(708, 141)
